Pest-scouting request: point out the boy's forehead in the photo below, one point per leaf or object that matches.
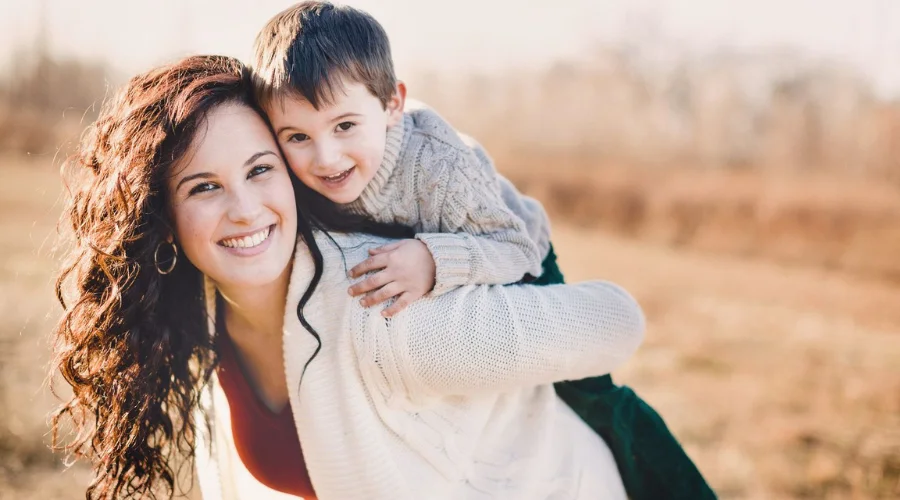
(342, 97)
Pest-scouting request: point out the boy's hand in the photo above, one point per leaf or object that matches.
(405, 270)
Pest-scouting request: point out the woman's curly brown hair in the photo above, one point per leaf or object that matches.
(133, 343)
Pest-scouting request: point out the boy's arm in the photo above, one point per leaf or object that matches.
(527, 208)
(480, 240)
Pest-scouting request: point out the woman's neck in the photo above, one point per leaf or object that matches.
(257, 310)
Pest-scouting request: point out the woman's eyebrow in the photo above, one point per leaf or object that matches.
(208, 175)
(257, 156)
(188, 178)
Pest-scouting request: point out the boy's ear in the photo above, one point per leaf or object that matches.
(396, 103)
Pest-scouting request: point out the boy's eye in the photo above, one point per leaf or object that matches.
(202, 188)
(297, 137)
(346, 125)
(259, 170)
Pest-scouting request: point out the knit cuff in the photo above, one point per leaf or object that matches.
(452, 260)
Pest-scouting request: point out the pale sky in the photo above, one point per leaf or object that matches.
(467, 34)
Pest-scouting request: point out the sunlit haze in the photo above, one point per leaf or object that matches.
(475, 34)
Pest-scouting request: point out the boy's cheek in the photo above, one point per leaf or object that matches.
(296, 163)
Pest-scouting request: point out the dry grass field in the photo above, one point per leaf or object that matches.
(778, 372)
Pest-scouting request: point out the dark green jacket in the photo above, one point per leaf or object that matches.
(652, 463)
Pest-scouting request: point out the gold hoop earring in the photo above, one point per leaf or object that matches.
(174, 258)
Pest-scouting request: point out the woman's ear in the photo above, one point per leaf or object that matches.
(396, 103)
(168, 231)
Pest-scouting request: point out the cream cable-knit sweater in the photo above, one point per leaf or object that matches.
(478, 227)
(450, 399)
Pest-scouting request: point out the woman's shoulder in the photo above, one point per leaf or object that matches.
(346, 242)
(349, 248)
(340, 252)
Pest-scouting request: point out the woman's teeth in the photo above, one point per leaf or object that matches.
(247, 241)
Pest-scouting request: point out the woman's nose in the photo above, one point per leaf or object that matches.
(244, 206)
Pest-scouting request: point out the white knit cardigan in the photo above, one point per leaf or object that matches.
(450, 399)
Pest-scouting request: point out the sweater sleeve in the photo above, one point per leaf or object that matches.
(489, 339)
(479, 239)
(532, 213)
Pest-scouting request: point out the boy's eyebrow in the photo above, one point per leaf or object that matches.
(282, 129)
(345, 115)
(335, 119)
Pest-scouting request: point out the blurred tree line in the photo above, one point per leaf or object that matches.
(775, 111)
(45, 102)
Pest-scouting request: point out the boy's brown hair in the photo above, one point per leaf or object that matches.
(307, 49)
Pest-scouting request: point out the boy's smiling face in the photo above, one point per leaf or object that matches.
(337, 149)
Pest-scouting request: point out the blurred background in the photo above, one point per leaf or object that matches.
(736, 165)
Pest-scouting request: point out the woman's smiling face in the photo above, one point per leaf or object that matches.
(232, 201)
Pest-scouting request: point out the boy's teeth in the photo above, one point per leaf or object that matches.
(247, 241)
(337, 175)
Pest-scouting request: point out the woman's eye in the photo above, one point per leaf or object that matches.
(345, 126)
(258, 170)
(297, 137)
(202, 188)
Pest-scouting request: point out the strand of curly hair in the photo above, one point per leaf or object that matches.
(133, 343)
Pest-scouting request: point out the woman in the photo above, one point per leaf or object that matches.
(201, 326)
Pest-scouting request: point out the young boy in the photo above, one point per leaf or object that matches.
(325, 77)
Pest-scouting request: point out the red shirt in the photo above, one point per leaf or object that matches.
(266, 441)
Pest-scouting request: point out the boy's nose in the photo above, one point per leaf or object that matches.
(328, 155)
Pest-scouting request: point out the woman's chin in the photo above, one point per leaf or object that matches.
(252, 277)
(268, 268)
